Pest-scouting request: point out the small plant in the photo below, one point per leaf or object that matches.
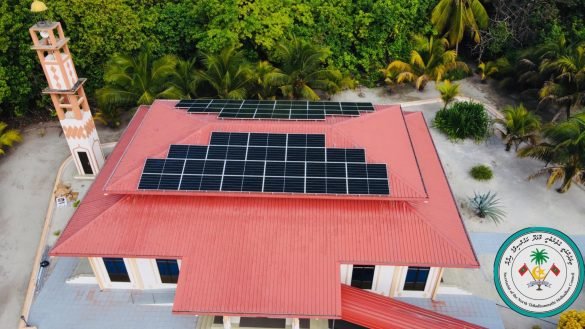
(448, 91)
(57, 233)
(76, 203)
(481, 172)
(572, 319)
(463, 120)
(8, 137)
(487, 206)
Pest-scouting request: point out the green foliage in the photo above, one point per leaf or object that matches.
(463, 120)
(481, 172)
(430, 60)
(492, 68)
(361, 35)
(572, 319)
(228, 74)
(448, 91)
(457, 74)
(453, 17)
(303, 71)
(486, 205)
(518, 126)
(563, 151)
(8, 137)
(20, 74)
(137, 80)
(108, 115)
(97, 30)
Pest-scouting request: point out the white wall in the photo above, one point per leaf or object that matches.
(389, 280)
(143, 274)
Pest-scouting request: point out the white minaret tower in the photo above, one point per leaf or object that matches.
(68, 96)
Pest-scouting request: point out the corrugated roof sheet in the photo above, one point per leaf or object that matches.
(270, 256)
(385, 140)
(378, 312)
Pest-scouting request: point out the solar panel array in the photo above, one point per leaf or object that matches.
(274, 110)
(259, 162)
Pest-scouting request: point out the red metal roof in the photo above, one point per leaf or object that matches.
(269, 257)
(378, 312)
(385, 141)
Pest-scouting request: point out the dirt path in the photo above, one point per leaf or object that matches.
(27, 174)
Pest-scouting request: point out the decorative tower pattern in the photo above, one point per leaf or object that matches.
(68, 96)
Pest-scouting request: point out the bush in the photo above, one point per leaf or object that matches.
(481, 172)
(572, 319)
(487, 206)
(463, 120)
(456, 74)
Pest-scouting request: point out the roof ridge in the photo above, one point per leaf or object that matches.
(439, 232)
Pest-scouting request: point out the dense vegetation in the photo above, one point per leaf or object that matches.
(361, 36)
(463, 120)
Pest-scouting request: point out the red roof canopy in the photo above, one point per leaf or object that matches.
(378, 312)
(277, 256)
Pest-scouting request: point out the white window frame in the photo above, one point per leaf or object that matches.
(157, 273)
(349, 275)
(427, 292)
(103, 272)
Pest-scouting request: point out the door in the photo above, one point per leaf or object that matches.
(85, 164)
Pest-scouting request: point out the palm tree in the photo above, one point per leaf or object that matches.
(559, 94)
(488, 69)
(568, 84)
(428, 61)
(539, 257)
(304, 69)
(137, 80)
(8, 137)
(228, 73)
(448, 91)
(265, 76)
(185, 80)
(453, 17)
(518, 126)
(563, 151)
(340, 81)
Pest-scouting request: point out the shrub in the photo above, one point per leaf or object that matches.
(481, 172)
(572, 319)
(487, 206)
(463, 120)
(456, 74)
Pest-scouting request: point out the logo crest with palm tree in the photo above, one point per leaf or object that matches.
(538, 257)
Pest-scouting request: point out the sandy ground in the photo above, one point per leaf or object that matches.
(27, 174)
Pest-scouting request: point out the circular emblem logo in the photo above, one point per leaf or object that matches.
(539, 272)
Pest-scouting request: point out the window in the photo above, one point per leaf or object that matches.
(362, 276)
(116, 269)
(416, 278)
(84, 160)
(168, 270)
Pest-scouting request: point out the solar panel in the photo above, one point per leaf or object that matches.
(274, 110)
(262, 162)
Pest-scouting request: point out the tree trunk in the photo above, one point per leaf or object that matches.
(566, 184)
(568, 109)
